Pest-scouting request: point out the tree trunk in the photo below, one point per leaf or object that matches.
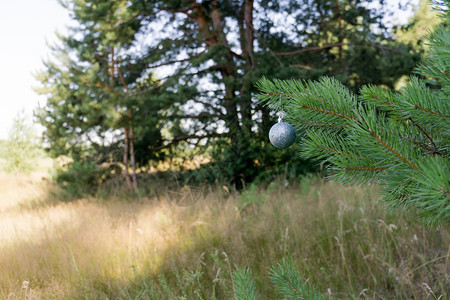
(247, 40)
(126, 164)
(125, 160)
(212, 29)
(238, 140)
(132, 156)
(218, 37)
(130, 138)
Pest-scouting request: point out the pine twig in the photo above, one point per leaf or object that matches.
(329, 112)
(431, 112)
(378, 138)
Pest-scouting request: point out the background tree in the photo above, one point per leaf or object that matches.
(419, 25)
(208, 55)
(97, 110)
(414, 33)
(20, 150)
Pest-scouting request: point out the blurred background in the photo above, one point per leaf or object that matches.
(136, 88)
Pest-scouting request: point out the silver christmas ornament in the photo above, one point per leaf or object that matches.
(282, 135)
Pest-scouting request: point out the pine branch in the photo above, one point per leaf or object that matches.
(336, 151)
(318, 124)
(400, 139)
(431, 112)
(382, 99)
(365, 168)
(324, 145)
(424, 106)
(324, 111)
(432, 193)
(437, 64)
(179, 139)
(326, 103)
(433, 150)
(176, 61)
(303, 50)
(396, 153)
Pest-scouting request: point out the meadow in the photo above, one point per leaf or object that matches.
(184, 242)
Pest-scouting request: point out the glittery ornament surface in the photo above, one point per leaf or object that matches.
(282, 135)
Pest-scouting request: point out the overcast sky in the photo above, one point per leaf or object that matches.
(25, 26)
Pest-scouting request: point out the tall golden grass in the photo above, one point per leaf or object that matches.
(185, 243)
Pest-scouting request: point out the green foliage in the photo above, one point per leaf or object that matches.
(290, 284)
(436, 64)
(79, 178)
(244, 285)
(415, 31)
(286, 279)
(400, 140)
(21, 149)
(98, 92)
(256, 160)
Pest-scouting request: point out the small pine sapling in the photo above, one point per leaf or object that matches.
(286, 279)
(244, 285)
(290, 284)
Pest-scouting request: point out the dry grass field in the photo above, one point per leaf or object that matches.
(185, 243)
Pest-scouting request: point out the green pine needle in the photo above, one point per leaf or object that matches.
(244, 285)
(290, 284)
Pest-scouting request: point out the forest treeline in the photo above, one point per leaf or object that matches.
(140, 81)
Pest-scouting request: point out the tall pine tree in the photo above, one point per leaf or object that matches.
(97, 109)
